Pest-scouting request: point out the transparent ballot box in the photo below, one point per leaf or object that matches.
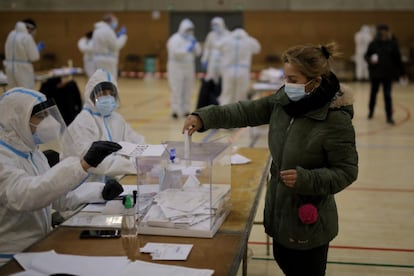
(186, 190)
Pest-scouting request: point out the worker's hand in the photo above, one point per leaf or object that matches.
(111, 189)
(289, 177)
(122, 31)
(192, 123)
(99, 150)
(193, 43)
(40, 46)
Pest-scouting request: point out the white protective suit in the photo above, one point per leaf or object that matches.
(85, 45)
(362, 39)
(28, 186)
(20, 52)
(89, 126)
(181, 68)
(106, 47)
(237, 50)
(211, 53)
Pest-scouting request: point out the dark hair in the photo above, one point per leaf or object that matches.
(383, 27)
(30, 23)
(89, 34)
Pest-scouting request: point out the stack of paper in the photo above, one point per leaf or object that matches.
(182, 208)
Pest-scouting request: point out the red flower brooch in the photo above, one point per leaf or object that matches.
(308, 213)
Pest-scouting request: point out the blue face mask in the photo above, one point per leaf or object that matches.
(114, 24)
(105, 105)
(296, 91)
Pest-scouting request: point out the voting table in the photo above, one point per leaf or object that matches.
(222, 253)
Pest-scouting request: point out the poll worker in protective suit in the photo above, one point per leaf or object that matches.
(182, 49)
(211, 55)
(237, 50)
(29, 188)
(362, 39)
(98, 120)
(20, 51)
(211, 60)
(107, 44)
(85, 45)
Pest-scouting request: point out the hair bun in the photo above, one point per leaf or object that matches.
(325, 52)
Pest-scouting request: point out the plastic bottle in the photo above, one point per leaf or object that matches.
(129, 226)
(129, 230)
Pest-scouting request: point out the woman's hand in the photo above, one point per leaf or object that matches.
(192, 123)
(289, 177)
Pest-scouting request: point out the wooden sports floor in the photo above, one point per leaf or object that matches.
(376, 213)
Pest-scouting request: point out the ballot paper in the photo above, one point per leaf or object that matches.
(239, 159)
(183, 208)
(50, 262)
(134, 150)
(167, 251)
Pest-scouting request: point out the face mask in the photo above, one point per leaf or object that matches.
(105, 105)
(114, 24)
(296, 91)
(216, 28)
(47, 130)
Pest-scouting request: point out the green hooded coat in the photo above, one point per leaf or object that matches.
(319, 144)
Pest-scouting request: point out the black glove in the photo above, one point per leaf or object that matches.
(99, 150)
(111, 189)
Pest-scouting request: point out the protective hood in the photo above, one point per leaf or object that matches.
(99, 76)
(219, 22)
(101, 24)
(185, 25)
(239, 33)
(15, 111)
(21, 27)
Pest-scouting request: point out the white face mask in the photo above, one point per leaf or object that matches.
(47, 130)
(296, 91)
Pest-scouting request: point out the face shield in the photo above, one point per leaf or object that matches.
(48, 127)
(105, 97)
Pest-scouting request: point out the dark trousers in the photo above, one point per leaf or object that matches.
(293, 262)
(386, 85)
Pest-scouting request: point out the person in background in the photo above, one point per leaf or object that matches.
(99, 120)
(107, 44)
(362, 39)
(385, 65)
(86, 47)
(182, 49)
(20, 51)
(312, 144)
(211, 61)
(29, 187)
(236, 50)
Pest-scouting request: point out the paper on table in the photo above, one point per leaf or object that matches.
(167, 251)
(51, 262)
(131, 149)
(145, 268)
(239, 159)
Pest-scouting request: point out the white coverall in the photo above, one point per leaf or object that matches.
(28, 186)
(89, 126)
(106, 47)
(236, 50)
(211, 53)
(85, 45)
(181, 68)
(20, 52)
(362, 39)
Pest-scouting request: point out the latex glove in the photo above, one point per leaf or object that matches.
(111, 189)
(204, 65)
(192, 45)
(122, 31)
(40, 46)
(99, 150)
